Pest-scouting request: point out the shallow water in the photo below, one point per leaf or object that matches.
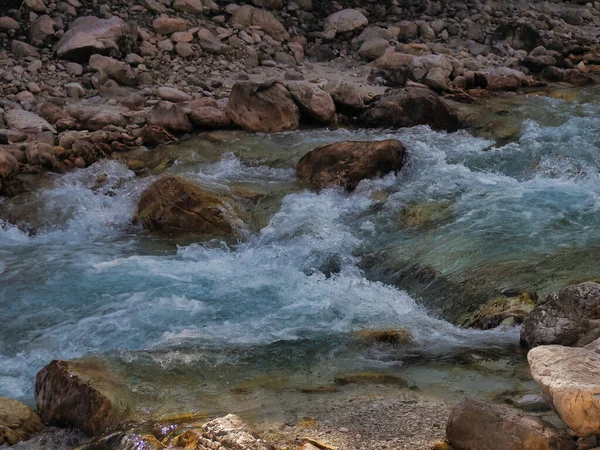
(200, 325)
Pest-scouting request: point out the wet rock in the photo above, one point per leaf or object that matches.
(18, 422)
(347, 163)
(314, 102)
(568, 377)
(426, 214)
(169, 116)
(265, 107)
(175, 206)
(408, 107)
(369, 378)
(248, 16)
(504, 310)
(569, 317)
(8, 163)
(26, 121)
(154, 135)
(480, 425)
(395, 338)
(209, 117)
(119, 71)
(344, 21)
(128, 440)
(89, 35)
(83, 394)
(42, 154)
(531, 402)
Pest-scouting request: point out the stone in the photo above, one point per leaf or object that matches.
(175, 206)
(270, 4)
(42, 31)
(481, 425)
(182, 36)
(393, 337)
(568, 377)
(26, 121)
(8, 166)
(344, 21)
(392, 60)
(209, 117)
(172, 95)
(188, 6)
(8, 24)
(168, 25)
(119, 71)
(90, 35)
(263, 107)
(155, 135)
(569, 317)
(503, 310)
(74, 69)
(212, 46)
(18, 422)
(314, 103)
(408, 107)
(22, 49)
(169, 116)
(519, 36)
(531, 402)
(346, 95)
(184, 49)
(248, 16)
(373, 48)
(346, 164)
(83, 394)
(37, 6)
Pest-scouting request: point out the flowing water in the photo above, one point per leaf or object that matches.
(198, 326)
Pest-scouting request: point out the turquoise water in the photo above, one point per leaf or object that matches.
(78, 278)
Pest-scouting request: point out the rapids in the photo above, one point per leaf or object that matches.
(189, 321)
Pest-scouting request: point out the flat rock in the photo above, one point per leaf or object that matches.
(172, 94)
(18, 422)
(26, 121)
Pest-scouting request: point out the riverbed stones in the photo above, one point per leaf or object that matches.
(408, 107)
(569, 317)
(84, 394)
(345, 164)
(89, 35)
(176, 206)
(8, 163)
(169, 116)
(504, 310)
(117, 70)
(26, 121)
(481, 425)
(18, 422)
(568, 377)
(264, 107)
(314, 103)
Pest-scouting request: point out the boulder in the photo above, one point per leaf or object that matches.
(248, 16)
(392, 60)
(481, 425)
(347, 163)
(568, 377)
(568, 317)
(504, 310)
(18, 422)
(8, 163)
(172, 94)
(83, 394)
(42, 31)
(89, 35)
(188, 6)
(265, 107)
(373, 48)
(119, 71)
(347, 96)
(8, 24)
(344, 21)
(209, 117)
(22, 49)
(408, 107)
(26, 121)
(175, 206)
(155, 135)
(314, 102)
(169, 116)
(168, 25)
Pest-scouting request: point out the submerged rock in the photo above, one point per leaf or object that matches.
(266, 107)
(347, 163)
(481, 425)
(369, 378)
(568, 317)
(83, 394)
(396, 338)
(175, 206)
(505, 310)
(424, 214)
(568, 377)
(18, 422)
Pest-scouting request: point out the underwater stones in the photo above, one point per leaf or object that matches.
(424, 214)
(568, 317)
(175, 206)
(395, 338)
(408, 107)
(346, 164)
(481, 425)
(504, 310)
(83, 394)
(18, 422)
(568, 377)
(263, 107)
(369, 378)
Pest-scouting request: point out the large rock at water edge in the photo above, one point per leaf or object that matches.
(568, 317)
(169, 116)
(408, 107)
(8, 163)
(265, 107)
(569, 377)
(18, 422)
(83, 394)
(175, 206)
(89, 35)
(314, 103)
(480, 425)
(345, 164)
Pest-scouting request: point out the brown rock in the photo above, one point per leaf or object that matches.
(8, 163)
(169, 116)
(174, 206)
(265, 107)
(22, 49)
(314, 102)
(42, 30)
(119, 71)
(347, 163)
(169, 25)
(82, 394)
(8, 23)
(209, 117)
(247, 16)
(347, 96)
(188, 6)
(18, 422)
(155, 135)
(480, 425)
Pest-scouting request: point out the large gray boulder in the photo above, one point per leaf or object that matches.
(248, 16)
(569, 317)
(344, 21)
(89, 35)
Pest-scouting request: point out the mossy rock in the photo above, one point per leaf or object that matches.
(504, 310)
(395, 338)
